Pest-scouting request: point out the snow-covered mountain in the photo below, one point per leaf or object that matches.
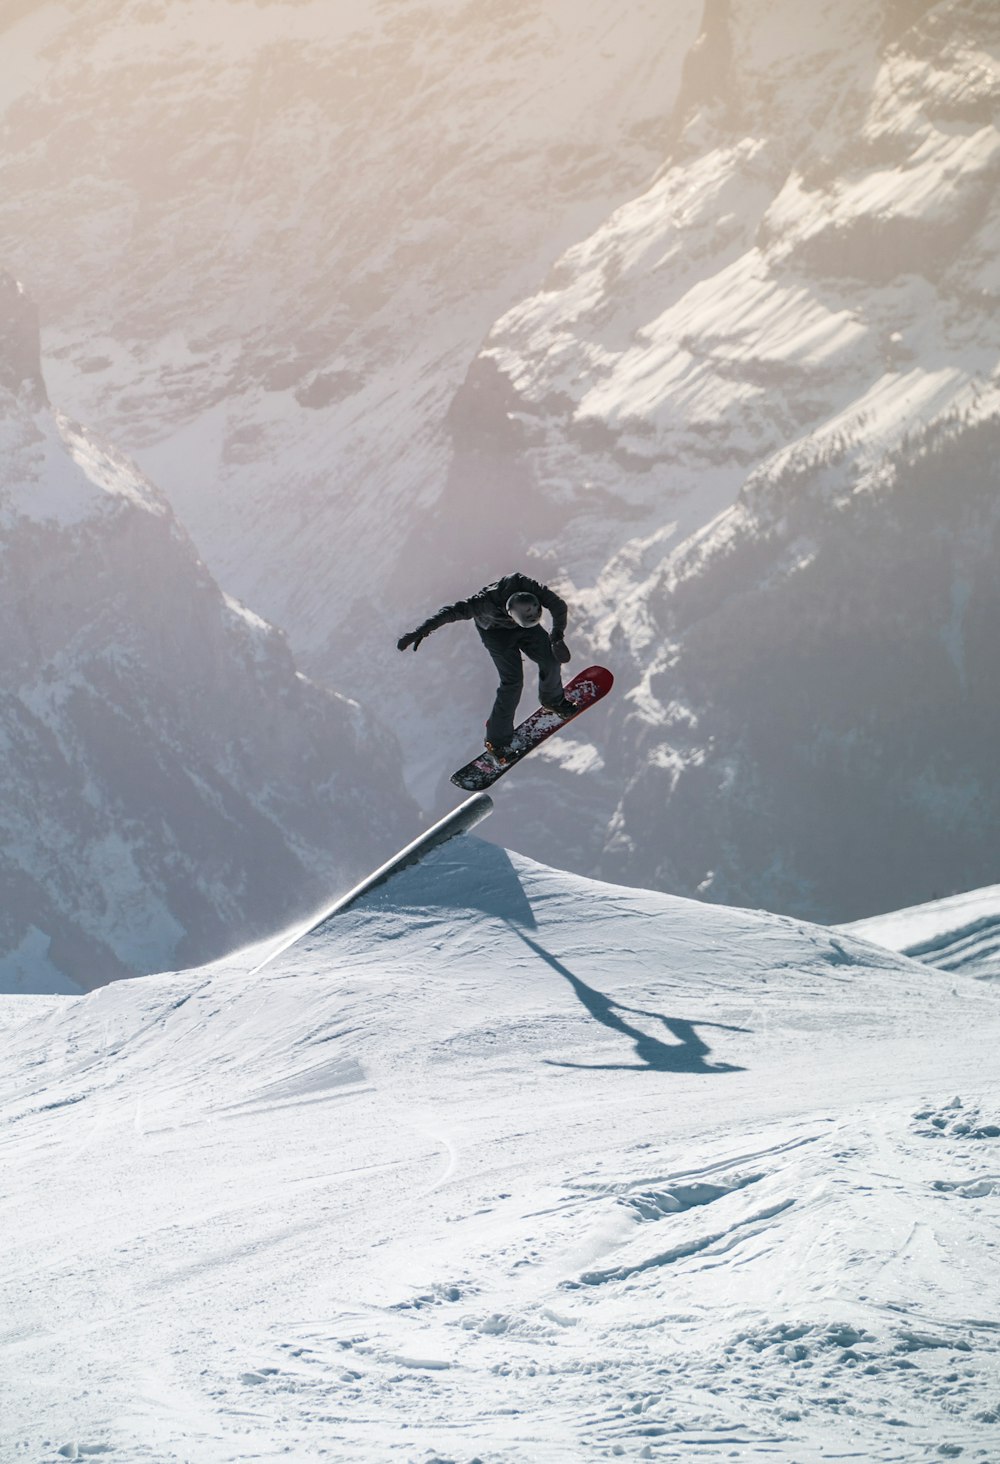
(268, 238)
(800, 313)
(171, 785)
(812, 273)
(817, 732)
(512, 1166)
(691, 309)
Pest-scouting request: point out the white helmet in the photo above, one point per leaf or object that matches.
(525, 608)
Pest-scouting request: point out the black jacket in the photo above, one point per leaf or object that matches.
(488, 607)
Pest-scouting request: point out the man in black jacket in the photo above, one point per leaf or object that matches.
(508, 618)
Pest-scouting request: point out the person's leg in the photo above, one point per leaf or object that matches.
(502, 646)
(536, 644)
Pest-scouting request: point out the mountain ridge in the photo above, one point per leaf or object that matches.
(173, 786)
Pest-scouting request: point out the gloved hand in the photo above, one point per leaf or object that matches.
(559, 649)
(411, 638)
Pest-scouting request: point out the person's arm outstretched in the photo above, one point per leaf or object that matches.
(461, 610)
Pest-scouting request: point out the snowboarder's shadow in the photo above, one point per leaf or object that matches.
(687, 1055)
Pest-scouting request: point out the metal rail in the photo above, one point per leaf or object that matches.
(459, 821)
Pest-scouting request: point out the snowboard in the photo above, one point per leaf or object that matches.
(583, 691)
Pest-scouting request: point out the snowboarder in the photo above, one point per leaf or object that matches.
(508, 618)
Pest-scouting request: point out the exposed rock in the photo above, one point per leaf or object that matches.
(20, 349)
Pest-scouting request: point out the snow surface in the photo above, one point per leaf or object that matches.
(504, 1164)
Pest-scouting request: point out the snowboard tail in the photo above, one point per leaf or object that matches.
(583, 691)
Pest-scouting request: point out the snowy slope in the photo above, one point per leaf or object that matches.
(170, 784)
(957, 933)
(507, 1165)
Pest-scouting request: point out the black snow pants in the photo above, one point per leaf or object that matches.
(506, 648)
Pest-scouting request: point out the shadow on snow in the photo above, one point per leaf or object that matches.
(687, 1055)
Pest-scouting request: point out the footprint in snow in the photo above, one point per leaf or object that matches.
(262, 1374)
(434, 1297)
(954, 1120)
(975, 1189)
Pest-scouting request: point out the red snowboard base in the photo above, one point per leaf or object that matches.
(583, 691)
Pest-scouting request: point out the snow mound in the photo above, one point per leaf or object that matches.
(958, 933)
(564, 1169)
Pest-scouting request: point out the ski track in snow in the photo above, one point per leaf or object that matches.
(507, 1166)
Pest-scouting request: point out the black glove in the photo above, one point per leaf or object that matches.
(560, 649)
(410, 639)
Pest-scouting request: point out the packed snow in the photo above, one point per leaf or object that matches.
(507, 1165)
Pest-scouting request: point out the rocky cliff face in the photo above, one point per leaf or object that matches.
(171, 785)
(816, 728)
